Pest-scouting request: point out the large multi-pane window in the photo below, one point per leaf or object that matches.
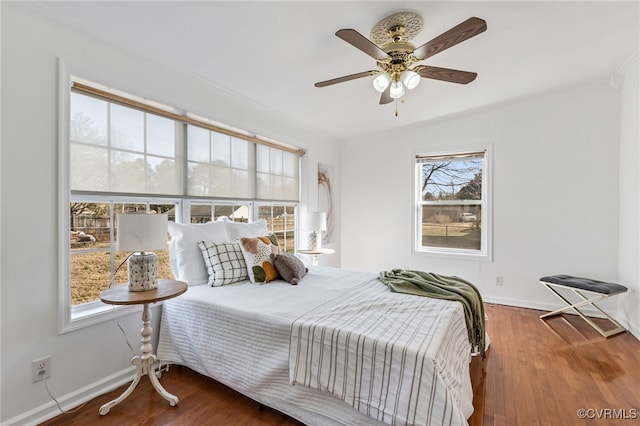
(452, 203)
(121, 157)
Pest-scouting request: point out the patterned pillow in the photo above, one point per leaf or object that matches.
(225, 262)
(257, 255)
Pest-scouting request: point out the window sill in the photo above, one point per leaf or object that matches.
(472, 255)
(95, 313)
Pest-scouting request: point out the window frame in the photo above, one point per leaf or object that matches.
(71, 317)
(85, 314)
(485, 253)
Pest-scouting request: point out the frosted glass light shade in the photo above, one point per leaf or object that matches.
(381, 82)
(141, 232)
(397, 90)
(410, 79)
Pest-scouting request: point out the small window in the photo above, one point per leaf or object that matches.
(452, 203)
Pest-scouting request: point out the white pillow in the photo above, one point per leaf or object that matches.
(237, 230)
(187, 263)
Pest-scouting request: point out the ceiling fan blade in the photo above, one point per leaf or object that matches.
(359, 41)
(469, 28)
(385, 97)
(446, 74)
(346, 78)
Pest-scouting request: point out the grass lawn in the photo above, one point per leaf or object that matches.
(91, 272)
(451, 235)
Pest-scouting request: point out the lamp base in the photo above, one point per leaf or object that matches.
(143, 271)
(315, 240)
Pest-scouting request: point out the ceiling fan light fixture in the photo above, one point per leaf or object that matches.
(397, 90)
(410, 79)
(381, 82)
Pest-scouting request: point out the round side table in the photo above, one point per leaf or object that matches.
(315, 253)
(120, 295)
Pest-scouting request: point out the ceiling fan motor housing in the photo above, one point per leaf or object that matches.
(392, 34)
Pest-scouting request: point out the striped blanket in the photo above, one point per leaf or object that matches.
(395, 357)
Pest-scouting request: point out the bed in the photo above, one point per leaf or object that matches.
(337, 349)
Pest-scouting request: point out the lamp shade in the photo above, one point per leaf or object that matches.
(316, 221)
(141, 232)
(410, 79)
(381, 82)
(397, 90)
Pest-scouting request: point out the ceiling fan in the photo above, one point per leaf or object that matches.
(396, 57)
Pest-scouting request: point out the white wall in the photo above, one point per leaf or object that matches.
(81, 359)
(555, 193)
(629, 249)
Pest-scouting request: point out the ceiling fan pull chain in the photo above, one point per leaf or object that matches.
(396, 107)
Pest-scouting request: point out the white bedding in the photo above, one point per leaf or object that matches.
(240, 334)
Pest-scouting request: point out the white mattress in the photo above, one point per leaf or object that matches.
(240, 335)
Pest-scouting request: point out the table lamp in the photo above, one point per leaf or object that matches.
(141, 233)
(316, 222)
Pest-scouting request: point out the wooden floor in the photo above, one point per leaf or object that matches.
(536, 373)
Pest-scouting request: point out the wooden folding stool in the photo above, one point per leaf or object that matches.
(599, 290)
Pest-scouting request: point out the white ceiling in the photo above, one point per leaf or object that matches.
(272, 53)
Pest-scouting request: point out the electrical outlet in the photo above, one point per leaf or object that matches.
(499, 280)
(40, 369)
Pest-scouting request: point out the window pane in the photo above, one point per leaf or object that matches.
(90, 262)
(198, 144)
(90, 225)
(162, 173)
(161, 136)
(290, 189)
(89, 168)
(276, 162)
(198, 179)
(88, 120)
(281, 221)
(452, 179)
(127, 128)
(91, 274)
(239, 154)
(220, 149)
(128, 172)
(290, 164)
(451, 226)
(262, 159)
(200, 213)
(242, 184)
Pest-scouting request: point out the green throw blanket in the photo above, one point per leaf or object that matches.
(443, 287)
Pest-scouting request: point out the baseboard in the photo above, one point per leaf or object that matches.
(50, 410)
(634, 329)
